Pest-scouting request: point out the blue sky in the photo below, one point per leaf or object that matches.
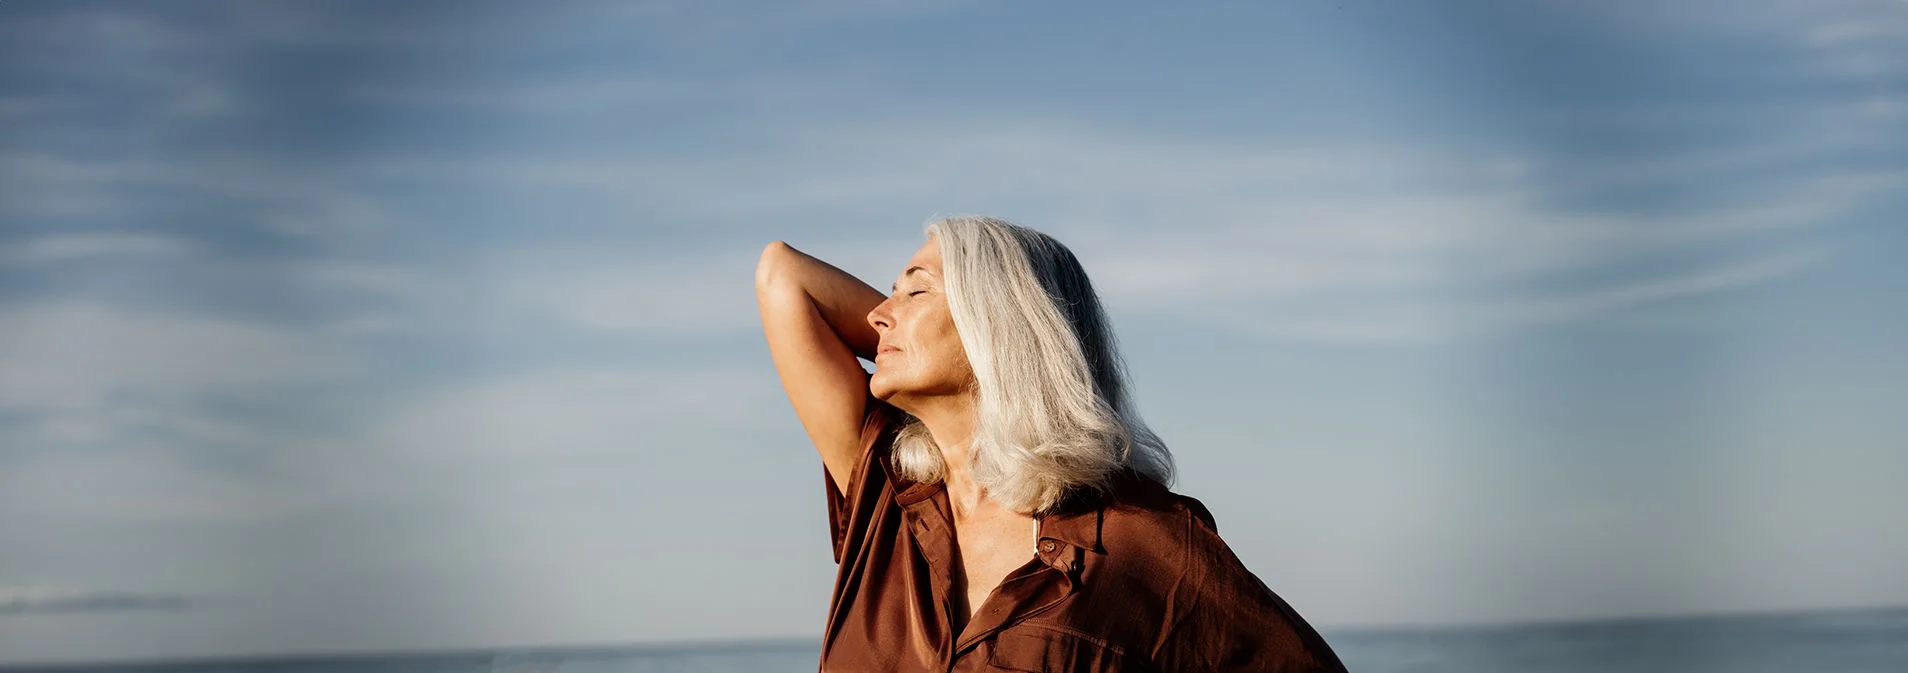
(344, 327)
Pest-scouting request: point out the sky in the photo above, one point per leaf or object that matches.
(370, 326)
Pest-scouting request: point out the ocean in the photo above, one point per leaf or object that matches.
(1870, 641)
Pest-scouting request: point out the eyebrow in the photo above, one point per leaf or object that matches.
(904, 274)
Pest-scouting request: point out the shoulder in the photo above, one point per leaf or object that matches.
(1143, 517)
(1151, 536)
(1181, 597)
(1173, 540)
(1214, 611)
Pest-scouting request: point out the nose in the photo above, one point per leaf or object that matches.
(879, 318)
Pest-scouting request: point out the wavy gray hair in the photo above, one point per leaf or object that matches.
(1054, 416)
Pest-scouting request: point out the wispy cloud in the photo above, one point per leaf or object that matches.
(398, 283)
(1176, 225)
(636, 291)
(79, 354)
(1843, 38)
(19, 601)
(1265, 221)
(89, 246)
(169, 480)
(303, 203)
(1404, 322)
(558, 413)
(1864, 38)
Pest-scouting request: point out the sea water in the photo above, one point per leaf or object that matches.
(1874, 641)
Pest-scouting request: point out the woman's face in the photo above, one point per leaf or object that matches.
(920, 354)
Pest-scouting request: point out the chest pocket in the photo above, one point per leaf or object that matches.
(1036, 650)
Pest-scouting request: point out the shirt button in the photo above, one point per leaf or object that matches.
(1046, 545)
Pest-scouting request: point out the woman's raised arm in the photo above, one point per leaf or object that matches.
(815, 318)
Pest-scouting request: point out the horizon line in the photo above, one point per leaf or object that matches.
(780, 642)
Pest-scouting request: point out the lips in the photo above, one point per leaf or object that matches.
(885, 349)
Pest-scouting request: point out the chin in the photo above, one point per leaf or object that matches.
(884, 388)
(879, 386)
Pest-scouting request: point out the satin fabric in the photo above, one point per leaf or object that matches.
(1137, 581)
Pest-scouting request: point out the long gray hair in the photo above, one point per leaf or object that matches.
(1054, 417)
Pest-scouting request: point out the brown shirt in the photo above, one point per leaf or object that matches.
(1139, 581)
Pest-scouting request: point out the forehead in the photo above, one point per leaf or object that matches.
(928, 255)
(925, 262)
(927, 258)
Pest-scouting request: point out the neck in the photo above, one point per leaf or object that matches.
(950, 420)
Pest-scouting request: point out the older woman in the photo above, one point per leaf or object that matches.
(996, 502)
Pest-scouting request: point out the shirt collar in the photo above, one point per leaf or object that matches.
(1077, 521)
(1078, 526)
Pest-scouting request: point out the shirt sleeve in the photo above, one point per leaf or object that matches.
(1228, 620)
(875, 419)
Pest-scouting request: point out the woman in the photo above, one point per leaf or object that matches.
(996, 502)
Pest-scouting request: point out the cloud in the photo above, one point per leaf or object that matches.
(69, 247)
(127, 401)
(116, 398)
(384, 281)
(531, 294)
(133, 479)
(1175, 225)
(1266, 221)
(1406, 322)
(1682, 284)
(562, 412)
(703, 27)
(1840, 38)
(130, 31)
(304, 203)
(77, 354)
(17, 601)
(1857, 38)
(519, 291)
(636, 291)
(26, 106)
(542, 97)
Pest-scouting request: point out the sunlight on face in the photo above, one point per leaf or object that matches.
(920, 354)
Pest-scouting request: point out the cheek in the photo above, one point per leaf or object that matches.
(949, 355)
(933, 347)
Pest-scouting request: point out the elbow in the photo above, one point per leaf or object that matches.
(767, 267)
